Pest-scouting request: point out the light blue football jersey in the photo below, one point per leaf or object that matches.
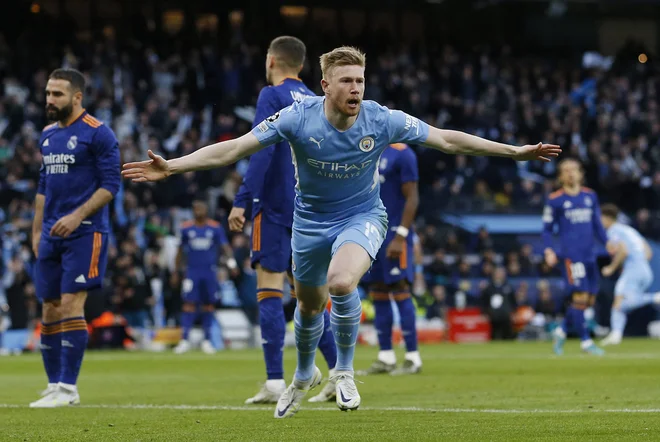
(337, 172)
(633, 241)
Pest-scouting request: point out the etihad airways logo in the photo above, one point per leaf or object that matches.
(57, 163)
(338, 170)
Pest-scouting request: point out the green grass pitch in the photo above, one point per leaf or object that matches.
(509, 391)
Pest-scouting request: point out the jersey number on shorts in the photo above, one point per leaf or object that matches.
(371, 232)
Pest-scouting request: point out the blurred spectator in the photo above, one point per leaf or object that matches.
(498, 302)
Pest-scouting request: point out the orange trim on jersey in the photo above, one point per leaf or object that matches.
(96, 253)
(289, 78)
(49, 126)
(399, 146)
(379, 296)
(401, 296)
(557, 194)
(265, 294)
(587, 189)
(256, 234)
(212, 223)
(75, 119)
(403, 258)
(91, 121)
(569, 272)
(293, 293)
(186, 224)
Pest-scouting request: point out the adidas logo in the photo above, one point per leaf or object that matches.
(45, 143)
(395, 271)
(567, 205)
(80, 279)
(67, 344)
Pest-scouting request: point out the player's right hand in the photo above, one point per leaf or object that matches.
(155, 169)
(550, 257)
(236, 219)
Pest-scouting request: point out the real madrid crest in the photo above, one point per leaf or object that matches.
(72, 143)
(367, 144)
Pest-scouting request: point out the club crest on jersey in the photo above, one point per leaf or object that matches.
(367, 144)
(587, 201)
(72, 143)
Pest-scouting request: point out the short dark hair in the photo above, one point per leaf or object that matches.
(290, 50)
(73, 76)
(610, 210)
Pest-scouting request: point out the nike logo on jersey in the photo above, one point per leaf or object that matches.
(318, 143)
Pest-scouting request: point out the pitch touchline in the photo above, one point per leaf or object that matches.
(413, 409)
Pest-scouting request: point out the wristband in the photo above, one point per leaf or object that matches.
(402, 231)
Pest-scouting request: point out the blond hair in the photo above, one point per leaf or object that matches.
(343, 56)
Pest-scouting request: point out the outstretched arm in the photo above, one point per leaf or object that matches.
(209, 157)
(455, 142)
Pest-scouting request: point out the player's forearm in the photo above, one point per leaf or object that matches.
(216, 155)
(409, 210)
(619, 257)
(95, 203)
(37, 222)
(455, 142)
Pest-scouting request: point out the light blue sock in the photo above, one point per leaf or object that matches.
(345, 320)
(618, 321)
(309, 330)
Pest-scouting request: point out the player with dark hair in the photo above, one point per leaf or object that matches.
(339, 221)
(78, 178)
(573, 213)
(200, 240)
(270, 182)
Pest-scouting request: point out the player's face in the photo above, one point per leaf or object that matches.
(199, 210)
(606, 221)
(59, 100)
(344, 87)
(570, 174)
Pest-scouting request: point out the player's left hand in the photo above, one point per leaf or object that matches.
(66, 225)
(395, 248)
(608, 271)
(542, 152)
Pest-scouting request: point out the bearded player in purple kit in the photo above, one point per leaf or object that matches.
(78, 178)
(339, 220)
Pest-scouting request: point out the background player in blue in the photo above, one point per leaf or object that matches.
(339, 221)
(630, 251)
(79, 177)
(269, 182)
(392, 273)
(200, 240)
(573, 213)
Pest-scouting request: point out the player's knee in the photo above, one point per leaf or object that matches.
(340, 284)
(311, 308)
(210, 308)
(73, 305)
(188, 307)
(51, 310)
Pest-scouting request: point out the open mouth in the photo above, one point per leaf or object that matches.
(353, 103)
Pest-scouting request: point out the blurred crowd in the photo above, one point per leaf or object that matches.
(174, 93)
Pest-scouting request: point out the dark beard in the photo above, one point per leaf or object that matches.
(55, 114)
